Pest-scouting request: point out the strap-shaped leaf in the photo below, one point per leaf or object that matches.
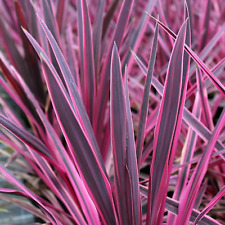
(167, 130)
(86, 203)
(204, 100)
(104, 88)
(196, 58)
(50, 19)
(80, 145)
(173, 205)
(190, 194)
(132, 166)
(77, 105)
(118, 133)
(188, 117)
(145, 99)
(138, 32)
(21, 186)
(34, 80)
(86, 58)
(210, 206)
(27, 138)
(187, 156)
(124, 154)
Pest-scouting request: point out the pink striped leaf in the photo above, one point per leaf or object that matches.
(145, 99)
(196, 58)
(60, 15)
(173, 205)
(208, 48)
(50, 19)
(71, 56)
(10, 178)
(102, 97)
(80, 145)
(167, 130)
(138, 32)
(21, 104)
(26, 137)
(16, 92)
(209, 206)
(204, 100)
(12, 51)
(86, 58)
(5, 68)
(4, 194)
(87, 205)
(58, 187)
(206, 24)
(187, 156)
(34, 80)
(57, 211)
(97, 36)
(77, 105)
(131, 157)
(188, 117)
(30, 140)
(118, 133)
(189, 195)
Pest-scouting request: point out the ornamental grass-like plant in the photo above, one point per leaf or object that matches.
(112, 111)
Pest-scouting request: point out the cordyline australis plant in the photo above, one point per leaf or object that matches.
(94, 93)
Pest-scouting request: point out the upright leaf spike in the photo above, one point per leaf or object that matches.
(167, 131)
(145, 99)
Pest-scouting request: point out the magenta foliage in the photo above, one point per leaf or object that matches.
(107, 113)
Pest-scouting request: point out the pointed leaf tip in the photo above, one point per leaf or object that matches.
(145, 99)
(167, 130)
